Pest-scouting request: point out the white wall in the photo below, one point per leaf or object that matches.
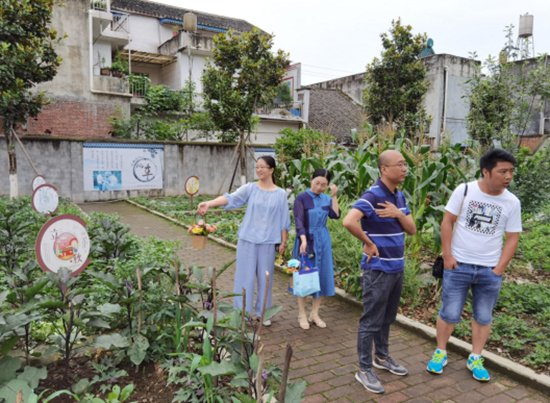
(170, 75)
(198, 64)
(268, 130)
(448, 115)
(101, 56)
(147, 34)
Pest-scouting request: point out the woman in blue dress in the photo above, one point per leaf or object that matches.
(262, 234)
(311, 210)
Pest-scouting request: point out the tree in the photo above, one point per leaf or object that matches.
(396, 83)
(504, 100)
(166, 115)
(491, 106)
(28, 58)
(243, 76)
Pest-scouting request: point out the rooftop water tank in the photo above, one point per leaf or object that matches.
(190, 22)
(525, 26)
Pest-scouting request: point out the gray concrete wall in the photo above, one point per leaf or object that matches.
(458, 70)
(60, 162)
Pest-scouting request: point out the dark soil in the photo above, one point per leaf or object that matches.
(150, 383)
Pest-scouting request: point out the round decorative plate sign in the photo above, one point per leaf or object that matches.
(63, 242)
(37, 181)
(192, 185)
(45, 199)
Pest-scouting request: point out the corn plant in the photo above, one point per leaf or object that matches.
(20, 275)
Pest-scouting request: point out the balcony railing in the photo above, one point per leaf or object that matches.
(100, 5)
(288, 110)
(139, 85)
(120, 22)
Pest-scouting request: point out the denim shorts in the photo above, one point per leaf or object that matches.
(485, 287)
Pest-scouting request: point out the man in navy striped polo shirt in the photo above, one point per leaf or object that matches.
(380, 219)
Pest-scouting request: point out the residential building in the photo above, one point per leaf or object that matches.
(446, 100)
(448, 76)
(160, 44)
(332, 111)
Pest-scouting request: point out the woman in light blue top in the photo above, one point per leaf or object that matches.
(263, 233)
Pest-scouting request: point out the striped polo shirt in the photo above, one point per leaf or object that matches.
(386, 233)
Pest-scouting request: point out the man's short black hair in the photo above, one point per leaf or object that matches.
(490, 159)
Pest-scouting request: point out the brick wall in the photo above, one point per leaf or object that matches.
(531, 142)
(73, 119)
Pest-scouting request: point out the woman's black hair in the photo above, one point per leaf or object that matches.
(270, 161)
(322, 172)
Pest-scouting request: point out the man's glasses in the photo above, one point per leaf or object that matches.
(400, 165)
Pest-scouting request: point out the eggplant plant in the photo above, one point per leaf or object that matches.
(71, 314)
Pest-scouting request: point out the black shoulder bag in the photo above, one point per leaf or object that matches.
(437, 267)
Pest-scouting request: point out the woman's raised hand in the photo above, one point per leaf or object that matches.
(333, 189)
(202, 208)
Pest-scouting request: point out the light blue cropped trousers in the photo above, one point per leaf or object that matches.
(253, 261)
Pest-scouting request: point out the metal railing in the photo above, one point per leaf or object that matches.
(139, 85)
(120, 22)
(293, 109)
(101, 5)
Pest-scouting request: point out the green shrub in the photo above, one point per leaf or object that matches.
(531, 179)
(533, 244)
(293, 143)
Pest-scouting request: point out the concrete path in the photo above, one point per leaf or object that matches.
(327, 358)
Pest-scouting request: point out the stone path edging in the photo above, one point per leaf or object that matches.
(515, 370)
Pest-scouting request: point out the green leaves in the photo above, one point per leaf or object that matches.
(33, 375)
(396, 83)
(28, 57)
(106, 341)
(11, 383)
(295, 391)
(218, 369)
(244, 76)
(138, 349)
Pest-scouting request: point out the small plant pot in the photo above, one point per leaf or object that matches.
(199, 242)
(117, 73)
(105, 71)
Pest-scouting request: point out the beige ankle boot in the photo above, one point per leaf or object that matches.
(302, 318)
(314, 315)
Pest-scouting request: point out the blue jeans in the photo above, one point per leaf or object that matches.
(485, 285)
(381, 294)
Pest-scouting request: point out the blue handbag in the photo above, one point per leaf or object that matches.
(306, 280)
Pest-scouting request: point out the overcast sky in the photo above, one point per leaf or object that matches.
(338, 38)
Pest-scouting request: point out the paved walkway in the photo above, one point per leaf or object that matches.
(327, 358)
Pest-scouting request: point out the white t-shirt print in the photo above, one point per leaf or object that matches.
(479, 230)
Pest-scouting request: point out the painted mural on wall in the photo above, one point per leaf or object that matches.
(108, 166)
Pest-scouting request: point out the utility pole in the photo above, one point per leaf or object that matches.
(190, 27)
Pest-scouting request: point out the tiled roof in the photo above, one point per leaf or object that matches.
(334, 112)
(158, 10)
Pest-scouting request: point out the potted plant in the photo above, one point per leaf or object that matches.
(199, 232)
(99, 4)
(119, 67)
(104, 70)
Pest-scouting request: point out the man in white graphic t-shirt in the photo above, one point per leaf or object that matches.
(477, 217)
